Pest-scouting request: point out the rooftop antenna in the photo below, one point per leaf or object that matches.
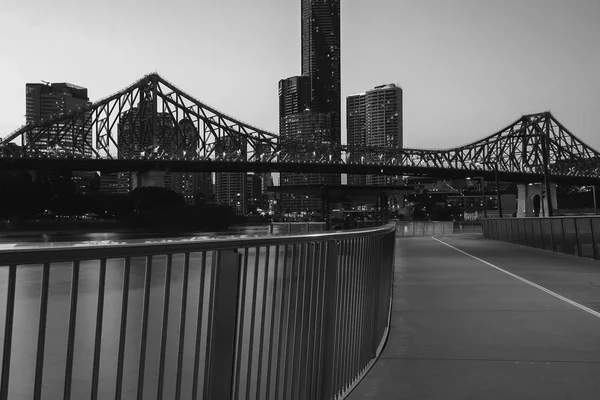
(47, 83)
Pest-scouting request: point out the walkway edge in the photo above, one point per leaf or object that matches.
(380, 348)
(535, 285)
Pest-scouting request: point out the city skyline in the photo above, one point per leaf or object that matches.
(467, 68)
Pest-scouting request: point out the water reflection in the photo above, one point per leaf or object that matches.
(270, 296)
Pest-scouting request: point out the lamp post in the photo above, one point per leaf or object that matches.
(483, 197)
(499, 199)
(594, 197)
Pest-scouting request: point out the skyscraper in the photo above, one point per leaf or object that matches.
(374, 118)
(321, 58)
(294, 97)
(44, 101)
(356, 130)
(230, 187)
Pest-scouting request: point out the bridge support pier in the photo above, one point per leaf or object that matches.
(533, 201)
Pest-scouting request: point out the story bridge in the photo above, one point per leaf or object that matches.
(154, 125)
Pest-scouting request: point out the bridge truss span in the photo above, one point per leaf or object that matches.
(153, 123)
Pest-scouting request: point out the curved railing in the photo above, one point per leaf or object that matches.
(575, 235)
(271, 317)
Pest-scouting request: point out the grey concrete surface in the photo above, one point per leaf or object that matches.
(461, 329)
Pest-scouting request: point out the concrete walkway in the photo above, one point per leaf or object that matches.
(462, 329)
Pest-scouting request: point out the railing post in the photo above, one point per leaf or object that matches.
(326, 389)
(8, 330)
(219, 377)
(577, 240)
(594, 243)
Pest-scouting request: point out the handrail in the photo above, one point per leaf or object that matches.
(64, 253)
(575, 235)
(281, 316)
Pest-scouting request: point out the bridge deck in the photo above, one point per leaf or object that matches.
(463, 329)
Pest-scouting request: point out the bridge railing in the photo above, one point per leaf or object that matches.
(432, 228)
(283, 317)
(579, 236)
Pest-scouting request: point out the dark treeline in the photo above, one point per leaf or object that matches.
(45, 195)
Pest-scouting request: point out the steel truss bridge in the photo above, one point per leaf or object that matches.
(154, 125)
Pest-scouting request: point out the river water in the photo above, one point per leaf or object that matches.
(24, 343)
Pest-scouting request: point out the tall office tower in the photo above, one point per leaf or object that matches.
(230, 187)
(374, 118)
(253, 192)
(321, 58)
(294, 97)
(356, 129)
(47, 100)
(307, 127)
(191, 185)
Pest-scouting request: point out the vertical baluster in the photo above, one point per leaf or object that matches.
(305, 341)
(342, 309)
(98, 336)
(8, 330)
(39, 365)
(328, 361)
(272, 324)
(292, 315)
(222, 328)
(165, 326)
(123, 327)
(352, 326)
(71, 334)
(212, 290)
(305, 388)
(181, 339)
(301, 296)
(144, 333)
(320, 314)
(283, 324)
(262, 322)
(370, 294)
(595, 249)
(252, 321)
(362, 286)
(199, 327)
(241, 325)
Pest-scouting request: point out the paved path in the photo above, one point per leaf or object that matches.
(462, 329)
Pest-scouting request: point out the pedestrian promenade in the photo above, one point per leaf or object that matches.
(489, 320)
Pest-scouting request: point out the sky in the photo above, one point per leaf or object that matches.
(468, 68)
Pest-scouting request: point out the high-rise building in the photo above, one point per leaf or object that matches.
(310, 105)
(314, 128)
(356, 130)
(230, 187)
(321, 58)
(253, 192)
(109, 183)
(294, 97)
(44, 101)
(374, 118)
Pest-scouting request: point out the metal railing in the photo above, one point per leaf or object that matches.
(579, 236)
(296, 227)
(285, 317)
(432, 228)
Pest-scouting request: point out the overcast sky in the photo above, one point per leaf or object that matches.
(467, 68)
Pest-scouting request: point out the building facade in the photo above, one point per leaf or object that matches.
(311, 127)
(374, 119)
(321, 58)
(46, 100)
(356, 130)
(230, 187)
(294, 97)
